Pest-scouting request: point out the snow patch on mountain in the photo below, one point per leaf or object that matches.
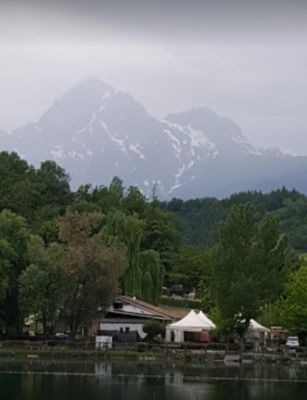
(198, 139)
(59, 153)
(175, 142)
(278, 152)
(137, 149)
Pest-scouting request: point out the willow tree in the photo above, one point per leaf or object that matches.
(128, 230)
(152, 276)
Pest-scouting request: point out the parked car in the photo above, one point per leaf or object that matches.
(62, 335)
(292, 341)
(176, 290)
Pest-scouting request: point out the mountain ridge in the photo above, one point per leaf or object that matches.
(96, 131)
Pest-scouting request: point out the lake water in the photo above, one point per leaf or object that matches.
(133, 380)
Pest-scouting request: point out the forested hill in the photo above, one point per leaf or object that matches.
(200, 218)
(40, 195)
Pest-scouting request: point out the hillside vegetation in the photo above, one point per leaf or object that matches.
(64, 254)
(200, 218)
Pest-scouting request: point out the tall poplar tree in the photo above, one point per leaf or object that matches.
(250, 265)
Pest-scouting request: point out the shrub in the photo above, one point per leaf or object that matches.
(153, 328)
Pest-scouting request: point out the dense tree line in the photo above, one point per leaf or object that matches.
(64, 254)
(200, 218)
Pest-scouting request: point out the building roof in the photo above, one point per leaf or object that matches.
(176, 312)
(122, 320)
(154, 311)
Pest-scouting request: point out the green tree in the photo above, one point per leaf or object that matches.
(38, 294)
(6, 254)
(14, 237)
(271, 258)
(52, 184)
(293, 305)
(250, 266)
(152, 276)
(161, 233)
(193, 264)
(90, 268)
(153, 328)
(134, 202)
(39, 283)
(128, 230)
(144, 275)
(17, 190)
(108, 198)
(39, 195)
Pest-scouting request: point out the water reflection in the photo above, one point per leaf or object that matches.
(103, 370)
(173, 378)
(135, 380)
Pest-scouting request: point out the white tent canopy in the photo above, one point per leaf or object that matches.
(206, 320)
(255, 326)
(192, 322)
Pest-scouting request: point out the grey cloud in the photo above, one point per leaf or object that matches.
(173, 20)
(245, 59)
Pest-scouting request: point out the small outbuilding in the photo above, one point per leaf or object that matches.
(193, 327)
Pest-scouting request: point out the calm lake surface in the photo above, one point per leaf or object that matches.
(36, 380)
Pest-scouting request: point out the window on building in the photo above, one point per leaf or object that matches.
(121, 330)
(127, 329)
(117, 305)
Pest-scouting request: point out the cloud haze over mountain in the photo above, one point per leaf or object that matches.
(96, 132)
(244, 59)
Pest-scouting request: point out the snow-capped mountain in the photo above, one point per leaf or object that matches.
(96, 132)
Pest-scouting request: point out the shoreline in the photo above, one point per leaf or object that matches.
(176, 356)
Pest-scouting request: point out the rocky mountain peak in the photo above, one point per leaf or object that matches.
(96, 132)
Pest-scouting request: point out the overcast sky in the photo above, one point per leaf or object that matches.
(243, 59)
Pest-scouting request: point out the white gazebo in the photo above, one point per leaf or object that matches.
(192, 322)
(257, 334)
(254, 326)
